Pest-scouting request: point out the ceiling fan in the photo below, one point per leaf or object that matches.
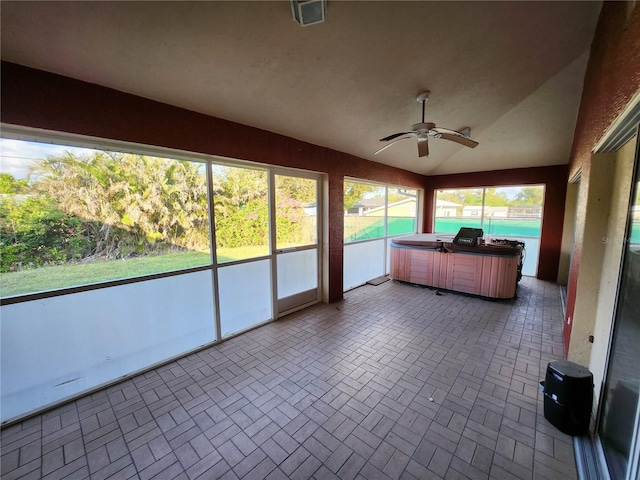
(423, 130)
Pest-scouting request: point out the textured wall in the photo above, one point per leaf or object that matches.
(610, 269)
(598, 206)
(611, 81)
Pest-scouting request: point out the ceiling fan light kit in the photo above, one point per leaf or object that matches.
(423, 130)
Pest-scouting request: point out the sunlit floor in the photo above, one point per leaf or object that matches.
(393, 382)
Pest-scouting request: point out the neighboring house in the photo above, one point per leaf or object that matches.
(446, 209)
(403, 208)
(476, 211)
(472, 211)
(532, 211)
(364, 206)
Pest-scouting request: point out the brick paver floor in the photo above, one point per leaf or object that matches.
(393, 382)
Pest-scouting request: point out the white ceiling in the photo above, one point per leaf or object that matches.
(512, 71)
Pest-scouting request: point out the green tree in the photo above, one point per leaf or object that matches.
(132, 204)
(293, 225)
(494, 198)
(34, 232)
(298, 189)
(396, 196)
(530, 196)
(354, 192)
(235, 187)
(241, 207)
(240, 204)
(11, 186)
(466, 196)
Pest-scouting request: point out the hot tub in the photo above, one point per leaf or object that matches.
(491, 270)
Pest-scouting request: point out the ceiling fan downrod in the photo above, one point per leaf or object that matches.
(422, 98)
(423, 127)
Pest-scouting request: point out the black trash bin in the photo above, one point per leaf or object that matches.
(568, 397)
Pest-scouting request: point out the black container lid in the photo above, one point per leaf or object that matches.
(570, 369)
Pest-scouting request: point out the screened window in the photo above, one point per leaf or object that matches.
(513, 213)
(364, 211)
(241, 208)
(458, 208)
(73, 216)
(372, 214)
(296, 211)
(375, 211)
(402, 211)
(132, 233)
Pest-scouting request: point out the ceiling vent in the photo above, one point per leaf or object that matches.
(308, 12)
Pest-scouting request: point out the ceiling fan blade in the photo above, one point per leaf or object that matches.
(392, 143)
(395, 135)
(447, 130)
(423, 147)
(467, 142)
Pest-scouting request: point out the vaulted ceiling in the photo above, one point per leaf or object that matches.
(511, 71)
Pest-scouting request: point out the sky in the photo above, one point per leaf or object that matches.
(17, 156)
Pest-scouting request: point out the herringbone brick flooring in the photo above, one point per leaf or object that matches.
(393, 382)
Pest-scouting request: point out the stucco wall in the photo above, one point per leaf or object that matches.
(595, 200)
(568, 228)
(611, 82)
(612, 243)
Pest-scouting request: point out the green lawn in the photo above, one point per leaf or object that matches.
(71, 275)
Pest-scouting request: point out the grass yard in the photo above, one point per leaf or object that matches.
(71, 275)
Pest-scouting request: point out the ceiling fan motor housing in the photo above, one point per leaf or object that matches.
(422, 127)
